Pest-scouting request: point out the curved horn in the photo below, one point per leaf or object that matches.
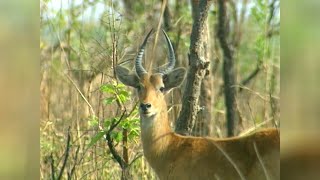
(139, 68)
(172, 59)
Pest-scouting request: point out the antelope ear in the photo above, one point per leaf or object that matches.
(174, 78)
(126, 77)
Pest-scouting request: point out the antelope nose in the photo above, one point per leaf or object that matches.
(145, 106)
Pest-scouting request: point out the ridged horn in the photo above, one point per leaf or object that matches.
(139, 68)
(172, 59)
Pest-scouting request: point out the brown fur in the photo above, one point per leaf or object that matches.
(173, 156)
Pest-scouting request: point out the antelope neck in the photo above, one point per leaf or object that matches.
(156, 133)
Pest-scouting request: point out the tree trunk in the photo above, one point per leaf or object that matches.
(198, 67)
(125, 174)
(229, 74)
(204, 123)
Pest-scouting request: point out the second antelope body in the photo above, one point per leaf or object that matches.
(172, 156)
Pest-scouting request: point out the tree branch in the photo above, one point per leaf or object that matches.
(74, 165)
(114, 153)
(122, 162)
(136, 158)
(251, 76)
(52, 167)
(111, 146)
(66, 154)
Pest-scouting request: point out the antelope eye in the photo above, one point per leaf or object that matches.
(161, 89)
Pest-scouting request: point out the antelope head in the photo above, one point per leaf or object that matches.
(152, 87)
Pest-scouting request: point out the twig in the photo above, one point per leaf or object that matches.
(89, 172)
(52, 167)
(260, 160)
(272, 11)
(248, 131)
(256, 93)
(251, 114)
(252, 75)
(137, 157)
(74, 165)
(114, 125)
(66, 155)
(231, 161)
(83, 97)
(114, 153)
(163, 7)
(111, 146)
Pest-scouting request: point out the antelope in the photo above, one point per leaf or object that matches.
(173, 156)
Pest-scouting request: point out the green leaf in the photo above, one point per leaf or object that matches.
(108, 88)
(123, 98)
(136, 120)
(96, 138)
(121, 86)
(117, 136)
(93, 123)
(109, 100)
(133, 134)
(124, 93)
(107, 122)
(125, 124)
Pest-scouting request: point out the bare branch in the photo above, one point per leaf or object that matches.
(52, 167)
(111, 146)
(66, 156)
(136, 158)
(261, 161)
(251, 76)
(70, 174)
(83, 97)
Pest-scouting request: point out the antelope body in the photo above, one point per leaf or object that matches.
(172, 156)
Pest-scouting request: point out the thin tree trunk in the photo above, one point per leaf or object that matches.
(198, 67)
(229, 74)
(125, 145)
(125, 170)
(204, 122)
